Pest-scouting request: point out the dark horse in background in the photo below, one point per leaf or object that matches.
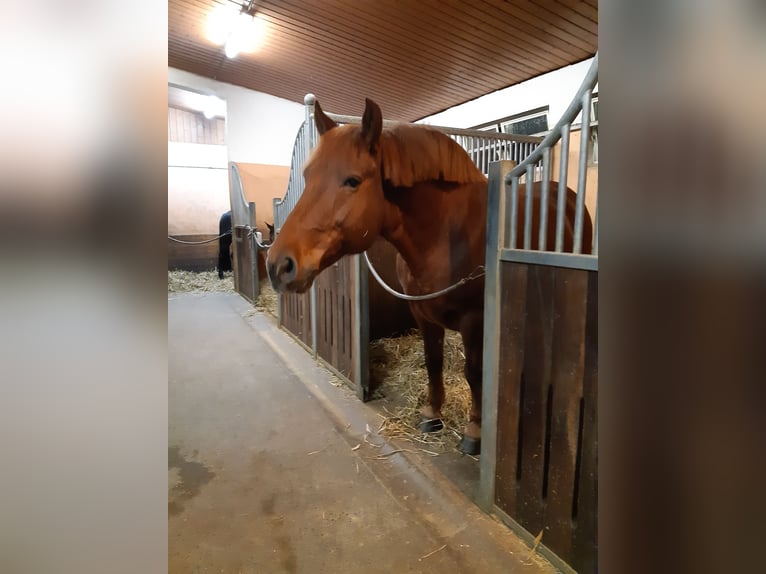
(225, 249)
(418, 189)
(224, 244)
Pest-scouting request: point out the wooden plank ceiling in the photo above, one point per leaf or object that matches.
(413, 57)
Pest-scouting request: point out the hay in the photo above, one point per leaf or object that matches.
(199, 282)
(267, 300)
(398, 366)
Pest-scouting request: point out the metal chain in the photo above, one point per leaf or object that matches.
(251, 233)
(428, 296)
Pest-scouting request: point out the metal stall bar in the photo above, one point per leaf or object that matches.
(562, 196)
(528, 207)
(582, 172)
(311, 140)
(514, 214)
(541, 242)
(253, 252)
(595, 230)
(496, 209)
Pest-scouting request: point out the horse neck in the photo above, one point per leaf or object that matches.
(422, 222)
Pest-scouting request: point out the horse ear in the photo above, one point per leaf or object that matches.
(323, 123)
(372, 125)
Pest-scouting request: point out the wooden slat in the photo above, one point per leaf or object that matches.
(584, 546)
(582, 8)
(536, 378)
(512, 328)
(570, 302)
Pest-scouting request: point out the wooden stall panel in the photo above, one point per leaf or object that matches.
(546, 442)
(335, 326)
(585, 541)
(243, 264)
(296, 315)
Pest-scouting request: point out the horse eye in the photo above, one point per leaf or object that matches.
(352, 182)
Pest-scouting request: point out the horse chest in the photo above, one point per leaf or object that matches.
(448, 311)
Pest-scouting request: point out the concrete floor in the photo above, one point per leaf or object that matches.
(264, 473)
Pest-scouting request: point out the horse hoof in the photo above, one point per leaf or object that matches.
(470, 445)
(431, 425)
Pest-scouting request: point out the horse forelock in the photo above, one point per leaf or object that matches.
(411, 154)
(334, 145)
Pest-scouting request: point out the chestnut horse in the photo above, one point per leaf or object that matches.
(418, 189)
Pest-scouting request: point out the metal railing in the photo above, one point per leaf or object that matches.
(502, 213)
(301, 149)
(542, 155)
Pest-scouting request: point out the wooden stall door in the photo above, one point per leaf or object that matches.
(246, 284)
(546, 470)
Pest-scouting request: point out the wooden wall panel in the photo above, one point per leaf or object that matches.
(546, 473)
(296, 315)
(193, 257)
(335, 327)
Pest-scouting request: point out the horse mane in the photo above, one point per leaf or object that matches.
(415, 153)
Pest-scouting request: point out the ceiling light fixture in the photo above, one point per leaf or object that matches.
(240, 31)
(214, 106)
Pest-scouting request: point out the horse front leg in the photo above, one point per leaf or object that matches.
(472, 333)
(433, 347)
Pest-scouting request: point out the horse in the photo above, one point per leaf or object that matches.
(224, 244)
(418, 189)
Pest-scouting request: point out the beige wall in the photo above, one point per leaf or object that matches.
(261, 184)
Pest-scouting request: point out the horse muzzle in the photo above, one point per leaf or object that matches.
(285, 276)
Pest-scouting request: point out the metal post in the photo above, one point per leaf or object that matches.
(513, 209)
(361, 340)
(496, 205)
(277, 225)
(253, 251)
(309, 100)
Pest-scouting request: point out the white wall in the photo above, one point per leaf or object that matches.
(554, 89)
(259, 128)
(198, 188)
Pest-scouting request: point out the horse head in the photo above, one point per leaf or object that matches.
(342, 209)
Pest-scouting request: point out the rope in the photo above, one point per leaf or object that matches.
(406, 297)
(198, 242)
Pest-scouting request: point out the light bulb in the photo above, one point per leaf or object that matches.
(212, 107)
(231, 48)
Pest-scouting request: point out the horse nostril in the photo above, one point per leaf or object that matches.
(289, 265)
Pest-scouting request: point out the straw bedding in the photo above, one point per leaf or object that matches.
(199, 282)
(398, 369)
(267, 300)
